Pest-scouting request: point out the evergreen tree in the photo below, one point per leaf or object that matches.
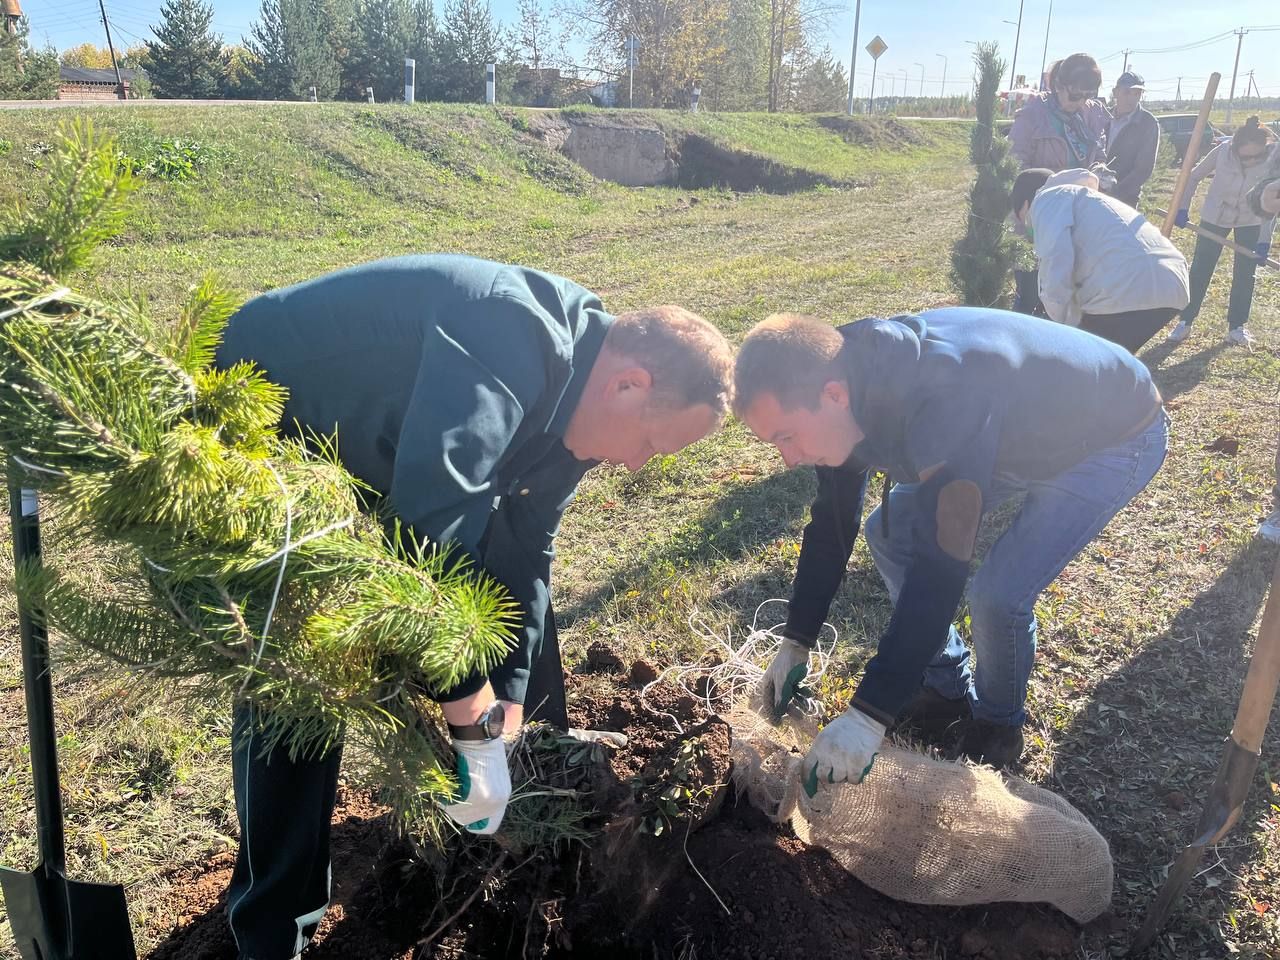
(469, 39)
(253, 570)
(292, 51)
(822, 86)
(384, 37)
(982, 258)
(25, 73)
(424, 38)
(185, 59)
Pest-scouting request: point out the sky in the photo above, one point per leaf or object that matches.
(919, 34)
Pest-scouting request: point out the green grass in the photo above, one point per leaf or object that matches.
(1143, 638)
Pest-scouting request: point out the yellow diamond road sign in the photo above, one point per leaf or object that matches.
(876, 47)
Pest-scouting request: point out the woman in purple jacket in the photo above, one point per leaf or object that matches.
(1065, 126)
(1062, 128)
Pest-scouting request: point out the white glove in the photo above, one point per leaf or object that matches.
(485, 785)
(774, 688)
(843, 751)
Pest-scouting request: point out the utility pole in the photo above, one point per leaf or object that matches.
(111, 46)
(921, 66)
(1234, 70)
(1017, 38)
(853, 57)
(1044, 57)
(1126, 61)
(944, 72)
(1178, 96)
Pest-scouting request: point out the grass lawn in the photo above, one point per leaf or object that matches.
(1143, 640)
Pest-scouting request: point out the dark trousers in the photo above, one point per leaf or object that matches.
(280, 887)
(1243, 268)
(1130, 329)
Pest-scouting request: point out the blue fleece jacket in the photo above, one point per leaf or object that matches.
(450, 382)
(956, 395)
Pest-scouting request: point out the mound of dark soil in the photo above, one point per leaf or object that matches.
(874, 131)
(717, 881)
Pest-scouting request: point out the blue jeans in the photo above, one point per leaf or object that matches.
(1057, 520)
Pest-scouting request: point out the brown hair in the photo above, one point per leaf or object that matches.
(789, 355)
(1078, 70)
(689, 360)
(1251, 134)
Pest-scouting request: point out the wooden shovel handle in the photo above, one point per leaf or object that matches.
(1192, 153)
(1264, 675)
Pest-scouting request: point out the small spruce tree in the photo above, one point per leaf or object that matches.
(983, 257)
(254, 571)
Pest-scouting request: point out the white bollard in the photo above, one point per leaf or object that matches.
(410, 71)
(314, 99)
(490, 83)
(697, 95)
(369, 93)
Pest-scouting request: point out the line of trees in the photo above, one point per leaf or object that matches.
(743, 54)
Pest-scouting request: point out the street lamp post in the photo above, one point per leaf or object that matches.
(1044, 57)
(905, 77)
(944, 72)
(853, 57)
(1017, 38)
(921, 66)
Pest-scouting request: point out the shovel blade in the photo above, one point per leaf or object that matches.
(1222, 811)
(53, 918)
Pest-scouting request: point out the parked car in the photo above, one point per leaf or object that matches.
(1176, 128)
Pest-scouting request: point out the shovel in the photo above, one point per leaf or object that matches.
(1225, 804)
(1225, 242)
(51, 917)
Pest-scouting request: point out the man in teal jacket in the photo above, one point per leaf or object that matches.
(472, 397)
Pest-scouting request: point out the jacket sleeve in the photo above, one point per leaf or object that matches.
(1205, 168)
(948, 508)
(518, 551)
(469, 401)
(1053, 219)
(1144, 163)
(828, 542)
(1021, 139)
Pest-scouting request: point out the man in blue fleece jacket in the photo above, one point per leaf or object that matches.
(964, 408)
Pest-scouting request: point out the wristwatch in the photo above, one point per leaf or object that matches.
(488, 725)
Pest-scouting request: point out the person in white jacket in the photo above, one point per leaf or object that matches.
(1103, 267)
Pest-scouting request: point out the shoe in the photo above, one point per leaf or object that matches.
(931, 717)
(1240, 336)
(1179, 333)
(994, 744)
(1269, 529)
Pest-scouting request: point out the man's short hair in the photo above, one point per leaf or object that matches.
(1026, 186)
(789, 355)
(689, 360)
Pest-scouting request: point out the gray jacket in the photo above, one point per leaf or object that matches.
(1131, 153)
(1227, 203)
(1100, 256)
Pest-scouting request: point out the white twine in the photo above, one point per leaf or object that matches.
(38, 302)
(739, 671)
(284, 562)
(275, 556)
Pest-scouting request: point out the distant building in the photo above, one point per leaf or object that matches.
(82, 83)
(12, 14)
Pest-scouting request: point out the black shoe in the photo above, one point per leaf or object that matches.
(994, 744)
(931, 717)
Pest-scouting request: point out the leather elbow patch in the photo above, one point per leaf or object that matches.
(959, 514)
